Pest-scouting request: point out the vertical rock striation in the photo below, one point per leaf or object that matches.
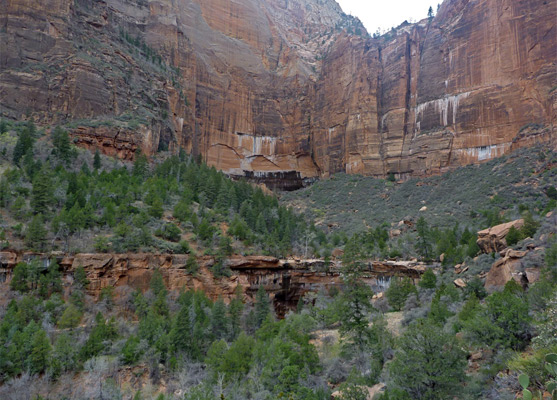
(285, 90)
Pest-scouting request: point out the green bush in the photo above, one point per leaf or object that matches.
(429, 280)
(429, 364)
(398, 292)
(70, 318)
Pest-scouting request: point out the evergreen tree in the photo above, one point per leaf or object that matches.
(530, 225)
(429, 363)
(424, 238)
(140, 165)
(97, 160)
(235, 310)
(398, 291)
(100, 333)
(41, 194)
(262, 306)
(219, 321)
(157, 284)
(429, 280)
(131, 352)
(61, 141)
(80, 277)
(35, 237)
(191, 264)
(180, 335)
(52, 281)
(3, 126)
(156, 210)
(355, 299)
(25, 142)
(40, 352)
(70, 318)
(20, 275)
(513, 236)
(63, 355)
(223, 201)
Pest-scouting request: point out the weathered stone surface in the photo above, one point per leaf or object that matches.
(459, 283)
(492, 240)
(285, 91)
(510, 267)
(285, 280)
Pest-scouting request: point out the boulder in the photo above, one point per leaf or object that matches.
(492, 240)
(507, 268)
(532, 274)
(337, 253)
(460, 283)
(394, 233)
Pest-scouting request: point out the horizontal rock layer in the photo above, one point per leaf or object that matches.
(285, 91)
(285, 280)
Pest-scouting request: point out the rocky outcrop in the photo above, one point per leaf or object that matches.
(492, 240)
(511, 267)
(285, 280)
(506, 268)
(284, 91)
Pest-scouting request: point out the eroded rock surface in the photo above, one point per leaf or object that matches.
(285, 280)
(492, 240)
(285, 91)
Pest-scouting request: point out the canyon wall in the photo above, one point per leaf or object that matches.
(285, 90)
(286, 281)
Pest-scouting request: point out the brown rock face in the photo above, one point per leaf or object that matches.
(492, 240)
(285, 91)
(284, 280)
(507, 268)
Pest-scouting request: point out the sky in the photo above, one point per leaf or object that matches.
(385, 14)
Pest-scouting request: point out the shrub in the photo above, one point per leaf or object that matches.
(131, 352)
(70, 318)
(398, 292)
(513, 237)
(429, 280)
(429, 364)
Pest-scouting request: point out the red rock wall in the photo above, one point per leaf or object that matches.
(284, 280)
(268, 87)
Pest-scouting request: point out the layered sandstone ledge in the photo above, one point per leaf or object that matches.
(285, 280)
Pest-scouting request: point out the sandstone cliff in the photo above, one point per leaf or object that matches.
(284, 90)
(285, 280)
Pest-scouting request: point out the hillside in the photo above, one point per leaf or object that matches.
(178, 302)
(505, 185)
(257, 200)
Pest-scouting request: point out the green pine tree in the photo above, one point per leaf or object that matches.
(97, 160)
(429, 363)
(429, 280)
(140, 165)
(63, 355)
(20, 276)
(262, 306)
(180, 335)
(219, 320)
(25, 142)
(62, 147)
(39, 358)
(235, 310)
(424, 238)
(41, 194)
(399, 291)
(35, 237)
